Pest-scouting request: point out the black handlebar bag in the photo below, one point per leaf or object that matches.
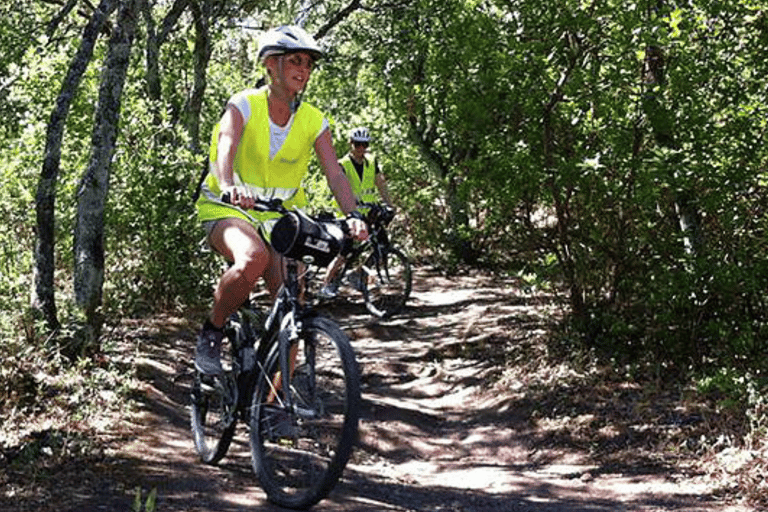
(298, 236)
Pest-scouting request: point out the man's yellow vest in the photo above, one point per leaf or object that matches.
(267, 178)
(364, 189)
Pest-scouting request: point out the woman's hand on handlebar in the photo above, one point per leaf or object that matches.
(358, 229)
(239, 196)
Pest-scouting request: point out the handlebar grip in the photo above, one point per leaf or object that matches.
(264, 205)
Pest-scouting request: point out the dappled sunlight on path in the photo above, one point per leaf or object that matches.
(462, 413)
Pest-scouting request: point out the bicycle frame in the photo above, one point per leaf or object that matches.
(285, 315)
(279, 382)
(377, 244)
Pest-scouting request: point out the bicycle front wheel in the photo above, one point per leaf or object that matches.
(302, 439)
(386, 283)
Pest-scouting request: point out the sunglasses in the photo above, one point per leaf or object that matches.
(357, 144)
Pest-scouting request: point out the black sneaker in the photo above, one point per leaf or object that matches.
(208, 351)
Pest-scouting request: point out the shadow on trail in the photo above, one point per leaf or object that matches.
(414, 442)
(401, 359)
(366, 496)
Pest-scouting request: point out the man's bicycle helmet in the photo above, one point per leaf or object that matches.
(359, 134)
(288, 39)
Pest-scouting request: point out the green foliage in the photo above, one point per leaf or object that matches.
(692, 306)
(150, 505)
(155, 257)
(536, 132)
(19, 32)
(569, 139)
(729, 387)
(34, 83)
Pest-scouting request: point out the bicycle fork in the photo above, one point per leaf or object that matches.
(287, 353)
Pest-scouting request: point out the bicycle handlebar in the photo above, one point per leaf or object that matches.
(297, 234)
(262, 205)
(378, 212)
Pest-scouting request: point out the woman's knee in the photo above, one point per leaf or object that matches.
(253, 263)
(241, 244)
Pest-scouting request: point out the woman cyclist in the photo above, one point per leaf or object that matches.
(261, 149)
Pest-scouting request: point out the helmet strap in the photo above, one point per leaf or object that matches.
(295, 102)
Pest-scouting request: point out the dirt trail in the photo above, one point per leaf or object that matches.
(445, 427)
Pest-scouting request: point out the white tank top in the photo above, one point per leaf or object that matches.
(277, 134)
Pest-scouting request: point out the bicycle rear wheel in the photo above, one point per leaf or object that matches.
(214, 409)
(386, 286)
(213, 416)
(299, 451)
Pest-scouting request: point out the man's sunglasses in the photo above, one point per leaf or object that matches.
(364, 144)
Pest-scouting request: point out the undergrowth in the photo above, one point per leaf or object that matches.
(714, 422)
(57, 412)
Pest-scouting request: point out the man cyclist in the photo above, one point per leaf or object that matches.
(261, 149)
(362, 169)
(365, 179)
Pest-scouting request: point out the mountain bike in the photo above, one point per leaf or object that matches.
(377, 268)
(291, 375)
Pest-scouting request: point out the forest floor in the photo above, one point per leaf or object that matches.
(465, 410)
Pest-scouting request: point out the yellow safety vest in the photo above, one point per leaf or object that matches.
(364, 189)
(267, 178)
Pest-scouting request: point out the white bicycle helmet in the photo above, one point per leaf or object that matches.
(288, 39)
(359, 134)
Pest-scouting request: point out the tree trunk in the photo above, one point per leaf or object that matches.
(154, 87)
(92, 193)
(662, 121)
(561, 195)
(459, 240)
(202, 55)
(43, 298)
(155, 40)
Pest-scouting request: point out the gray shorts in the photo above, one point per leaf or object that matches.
(209, 225)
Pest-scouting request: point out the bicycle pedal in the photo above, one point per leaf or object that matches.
(306, 413)
(278, 424)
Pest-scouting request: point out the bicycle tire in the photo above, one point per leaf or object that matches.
(298, 466)
(386, 288)
(214, 409)
(213, 421)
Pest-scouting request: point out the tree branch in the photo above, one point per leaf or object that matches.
(53, 25)
(66, 8)
(338, 18)
(170, 20)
